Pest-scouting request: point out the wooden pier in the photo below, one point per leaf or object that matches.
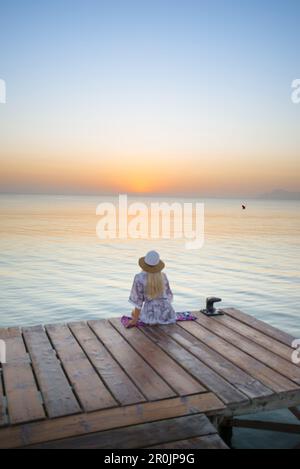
(98, 385)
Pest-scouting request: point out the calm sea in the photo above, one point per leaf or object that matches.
(54, 268)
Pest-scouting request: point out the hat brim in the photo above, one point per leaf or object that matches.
(151, 268)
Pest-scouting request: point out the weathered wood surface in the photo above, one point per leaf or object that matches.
(261, 354)
(24, 403)
(212, 336)
(177, 378)
(223, 389)
(87, 384)
(53, 429)
(15, 347)
(258, 337)
(145, 378)
(234, 375)
(23, 400)
(120, 385)
(199, 442)
(59, 397)
(68, 381)
(139, 435)
(262, 326)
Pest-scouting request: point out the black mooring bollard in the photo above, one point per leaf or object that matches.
(210, 310)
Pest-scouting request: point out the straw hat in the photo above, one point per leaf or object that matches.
(151, 262)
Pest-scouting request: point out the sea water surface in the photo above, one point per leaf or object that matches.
(54, 268)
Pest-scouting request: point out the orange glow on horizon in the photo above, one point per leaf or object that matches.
(182, 175)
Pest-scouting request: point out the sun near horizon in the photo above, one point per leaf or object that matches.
(105, 105)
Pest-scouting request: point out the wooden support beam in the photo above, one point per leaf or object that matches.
(295, 411)
(263, 425)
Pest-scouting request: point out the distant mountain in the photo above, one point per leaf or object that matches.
(280, 194)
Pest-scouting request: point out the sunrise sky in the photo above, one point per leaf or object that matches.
(160, 96)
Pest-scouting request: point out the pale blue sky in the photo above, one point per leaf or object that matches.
(101, 83)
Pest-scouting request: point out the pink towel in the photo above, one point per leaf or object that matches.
(184, 316)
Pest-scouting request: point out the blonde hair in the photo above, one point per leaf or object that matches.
(154, 285)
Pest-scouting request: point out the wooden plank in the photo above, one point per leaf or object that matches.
(138, 436)
(250, 365)
(15, 347)
(258, 337)
(48, 430)
(58, 396)
(89, 388)
(235, 375)
(209, 378)
(265, 425)
(144, 377)
(119, 384)
(23, 400)
(199, 442)
(181, 381)
(285, 368)
(262, 326)
(282, 400)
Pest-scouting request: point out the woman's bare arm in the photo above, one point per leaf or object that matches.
(135, 317)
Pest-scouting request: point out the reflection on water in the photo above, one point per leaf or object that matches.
(54, 268)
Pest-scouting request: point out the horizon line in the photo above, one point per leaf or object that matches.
(268, 195)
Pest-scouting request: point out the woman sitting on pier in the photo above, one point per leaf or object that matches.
(151, 293)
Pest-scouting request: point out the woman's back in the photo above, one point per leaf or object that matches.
(142, 280)
(155, 309)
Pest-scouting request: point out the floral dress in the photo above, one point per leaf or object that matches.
(155, 311)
